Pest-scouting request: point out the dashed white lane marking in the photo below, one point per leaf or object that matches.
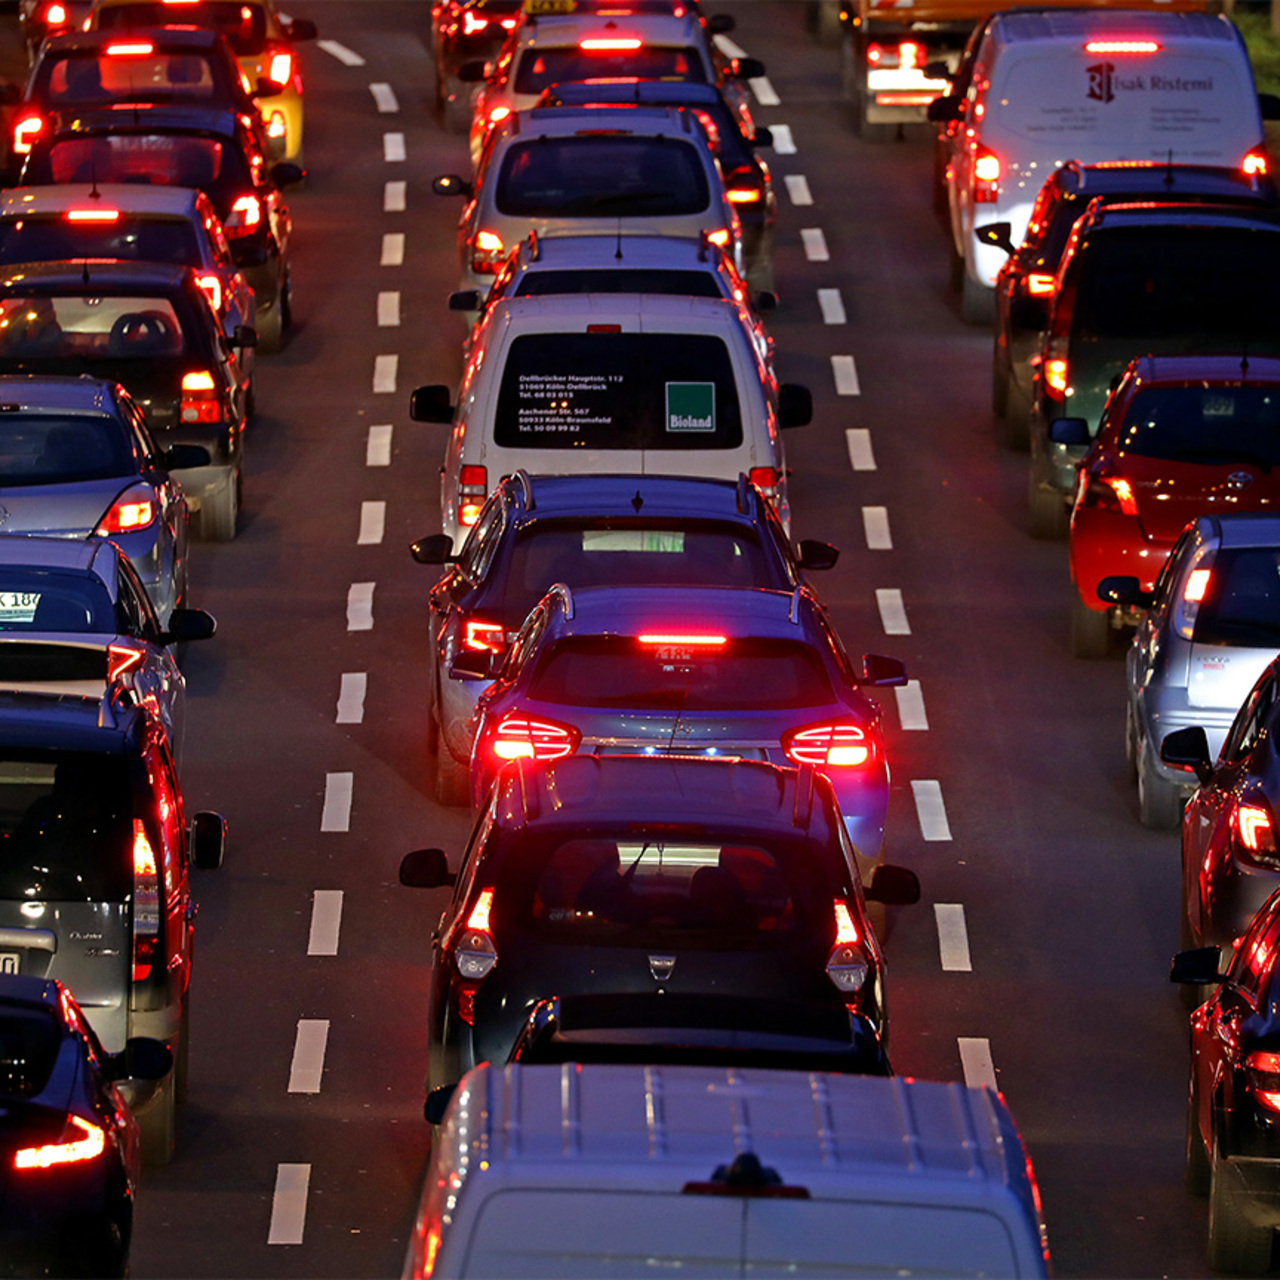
(355, 684)
(377, 452)
(289, 1204)
(875, 524)
(384, 97)
(393, 151)
(975, 1059)
(858, 440)
(832, 305)
(392, 249)
(911, 712)
(783, 143)
(326, 922)
(765, 93)
(845, 372)
(930, 810)
(815, 244)
(308, 1055)
(388, 309)
(360, 606)
(798, 188)
(730, 48)
(393, 196)
(893, 613)
(385, 371)
(373, 524)
(953, 937)
(336, 814)
(348, 57)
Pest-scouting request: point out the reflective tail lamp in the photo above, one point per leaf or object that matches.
(92, 215)
(244, 217)
(212, 286)
(200, 400)
(609, 44)
(847, 965)
(136, 508)
(1262, 1069)
(1255, 836)
(481, 636)
(1039, 285)
(131, 49)
(487, 253)
(473, 487)
(146, 904)
(280, 68)
(986, 176)
(25, 132)
(120, 660)
(520, 737)
(276, 126)
(80, 1141)
(1255, 163)
(1108, 493)
(829, 746)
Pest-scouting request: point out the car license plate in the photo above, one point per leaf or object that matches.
(541, 8)
(18, 606)
(10, 962)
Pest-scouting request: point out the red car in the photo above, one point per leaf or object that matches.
(1180, 436)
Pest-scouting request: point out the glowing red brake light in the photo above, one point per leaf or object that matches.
(120, 660)
(608, 44)
(986, 176)
(1055, 375)
(471, 23)
(846, 930)
(473, 486)
(1263, 1070)
(718, 236)
(684, 639)
(910, 55)
(133, 49)
(200, 399)
(245, 215)
(280, 68)
(829, 746)
(519, 737)
(25, 133)
(476, 953)
(487, 253)
(55, 15)
(134, 509)
(81, 1141)
(92, 215)
(146, 903)
(1039, 285)
(212, 286)
(744, 195)
(1122, 46)
(1255, 163)
(479, 917)
(1197, 586)
(483, 636)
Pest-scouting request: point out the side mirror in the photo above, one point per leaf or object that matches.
(142, 1058)
(185, 457)
(245, 337)
(1028, 313)
(437, 1103)
(287, 174)
(267, 88)
(426, 869)
(815, 555)
(1072, 432)
(473, 71)
(881, 672)
(475, 664)
(763, 136)
(466, 300)
(765, 300)
(302, 29)
(1269, 106)
(746, 69)
(936, 70)
(1189, 748)
(450, 184)
(435, 548)
(431, 404)
(1124, 590)
(894, 886)
(945, 110)
(1198, 966)
(795, 405)
(186, 625)
(720, 24)
(208, 840)
(245, 253)
(999, 234)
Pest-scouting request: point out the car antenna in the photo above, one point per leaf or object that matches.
(637, 502)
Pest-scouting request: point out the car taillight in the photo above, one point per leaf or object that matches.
(276, 127)
(1039, 285)
(744, 187)
(908, 55)
(1197, 586)
(1122, 46)
(719, 236)
(25, 132)
(767, 480)
(131, 49)
(498, 114)
(244, 217)
(483, 636)
(1263, 1072)
(524, 738)
(475, 954)
(471, 23)
(212, 287)
(986, 176)
(829, 746)
(200, 399)
(1255, 835)
(487, 253)
(681, 640)
(280, 68)
(1255, 163)
(146, 904)
(473, 486)
(1054, 371)
(80, 1140)
(136, 508)
(55, 15)
(847, 965)
(92, 215)
(1108, 493)
(609, 44)
(120, 660)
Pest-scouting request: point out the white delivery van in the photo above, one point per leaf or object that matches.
(1054, 85)
(611, 1171)
(611, 383)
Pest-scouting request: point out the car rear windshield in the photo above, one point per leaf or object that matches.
(244, 25)
(696, 284)
(38, 448)
(41, 327)
(1242, 603)
(29, 1044)
(618, 391)
(154, 159)
(740, 675)
(1212, 426)
(145, 76)
(602, 176)
(65, 820)
(539, 68)
(57, 238)
(53, 600)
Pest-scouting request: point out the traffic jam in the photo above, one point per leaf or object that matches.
(577, 958)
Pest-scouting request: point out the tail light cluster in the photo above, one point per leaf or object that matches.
(200, 399)
(519, 737)
(847, 965)
(768, 480)
(1254, 835)
(907, 55)
(475, 954)
(54, 16)
(146, 904)
(473, 488)
(136, 508)
(244, 217)
(80, 1141)
(480, 636)
(1054, 371)
(1262, 1071)
(1039, 284)
(488, 253)
(1106, 493)
(276, 127)
(212, 286)
(830, 746)
(25, 132)
(279, 64)
(121, 660)
(986, 176)
(744, 186)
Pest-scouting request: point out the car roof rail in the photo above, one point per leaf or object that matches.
(802, 809)
(561, 589)
(521, 476)
(743, 481)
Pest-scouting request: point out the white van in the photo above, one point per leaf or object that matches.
(608, 383)
(611, 1171)
(1091, 85)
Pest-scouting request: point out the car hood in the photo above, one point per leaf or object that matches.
(59, 510)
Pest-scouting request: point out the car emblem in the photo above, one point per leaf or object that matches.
(661, 967)
(1239, 479)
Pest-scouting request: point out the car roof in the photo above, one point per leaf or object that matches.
(567, 122)
(572, 252)
(64, 722)
(128, 197)
(735, 611)
(590, 497)
(1087, 180)
(1194, 369)
(79, 554)
(37, 392)
(166, 39)
(104, 276)
(1194, 216)
(148, 118)
(1068, 25)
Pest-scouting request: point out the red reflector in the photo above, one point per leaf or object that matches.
(1255, 163)
(604, 328)
(683, 638)
(81, 1141)
(1122, 46)
(92, 215)
(135, 49)
(608, 44)
(134, 509)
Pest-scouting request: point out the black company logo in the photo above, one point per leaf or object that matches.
(1100, 74)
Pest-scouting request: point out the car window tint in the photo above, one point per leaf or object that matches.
(244, 25)
(44, 449)
(132, 240)
(539, 68)
(697, 284)
(1241, 605)
(51, 328)
(29, 1044)
(1209, 426)
(33, 599)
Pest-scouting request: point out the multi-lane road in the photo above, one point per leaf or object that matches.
(1038, 958)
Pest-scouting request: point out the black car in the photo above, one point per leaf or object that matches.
(150, 327)
(216, 151)
(69, 1147)
(637, 874)
(463, 30)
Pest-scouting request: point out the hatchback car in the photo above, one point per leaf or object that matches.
(151, 327)
(584, 531)
(69, 1150)
(464, 31)
(627, 874)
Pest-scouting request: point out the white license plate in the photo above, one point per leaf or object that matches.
(9, 962)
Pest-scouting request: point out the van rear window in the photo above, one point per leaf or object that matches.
(618, 391)
(1242, 605)
(695, 284)
(132, 239)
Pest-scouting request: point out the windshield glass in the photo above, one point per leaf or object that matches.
(56, 239)
(44, 327)
(1213, 426)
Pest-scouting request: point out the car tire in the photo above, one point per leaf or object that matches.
(1197, 1170)
(1047, 516)
(955, 270)
(1235, 1244)
(1090, 630)
(1131, 738)
(977, 302)
(156, 1122)
(220, 511)
(1159, 801)
(271, 326)
(453, 780)
(999, 383)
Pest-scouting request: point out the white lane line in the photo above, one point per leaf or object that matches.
(893, 613)
(815, 244)
(393, 196)
(385, 370)
(845, 372)
(355, 684)
(930, 810)
(392, 249)
(975, 1059)
(875, 524)
(348, 57)
(289, 1204)
(308, 1055)
(798, 188)
(389, 309)
(373, 524)
(393, 147)
(336, 814)
(783, 143)
(730, 48)
(832, 305)
(360, 606)
(326, 921)
(765, 93)
(953, 937)
(377, 452)
(858, 440)
(384, 97)
(911, 712)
